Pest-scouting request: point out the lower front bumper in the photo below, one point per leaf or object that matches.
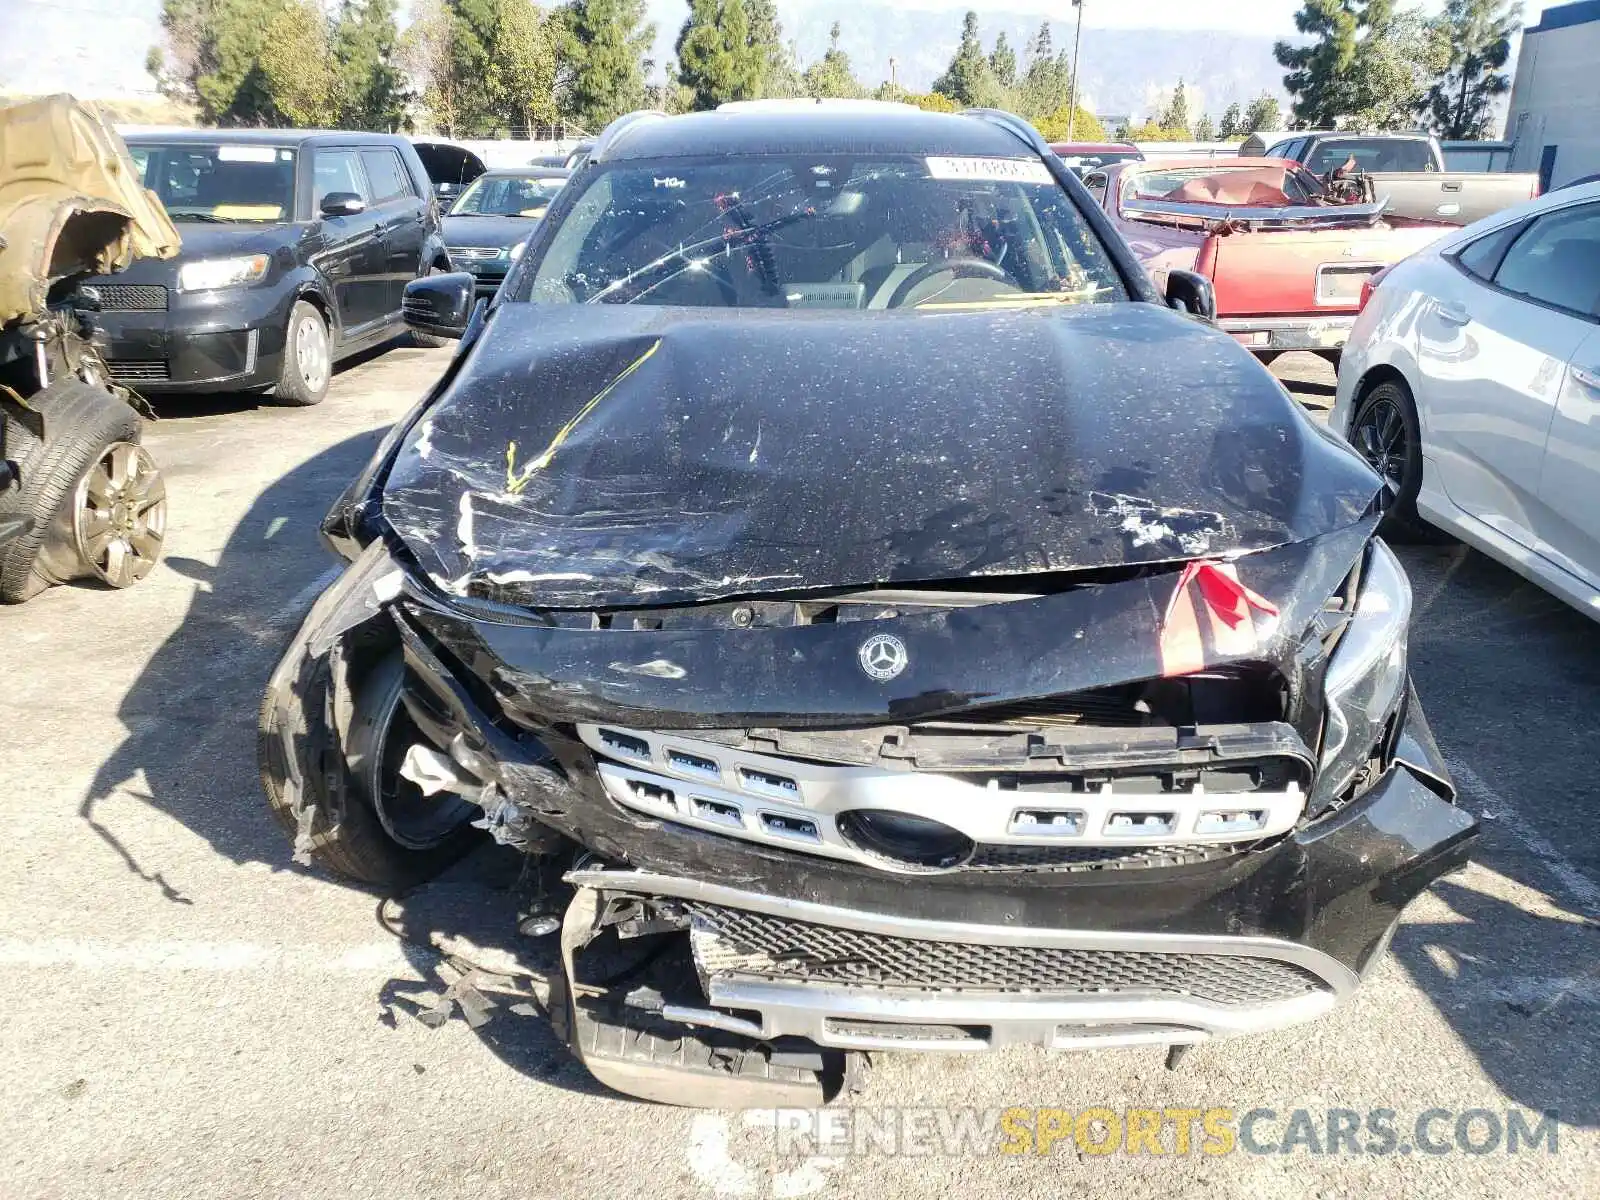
(237, 344)
(1290, 333)
(855, 1016)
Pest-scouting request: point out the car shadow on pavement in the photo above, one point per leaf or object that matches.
(191, 735)
(1510, 679)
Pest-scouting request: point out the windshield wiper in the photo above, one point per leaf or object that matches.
(202, 216)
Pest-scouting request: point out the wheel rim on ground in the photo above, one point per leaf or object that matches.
(1380, 438)
(413, 819)
(120, 515)
(311, 352)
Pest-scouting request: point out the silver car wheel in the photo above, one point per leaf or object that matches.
(311, 356)
(119, 515)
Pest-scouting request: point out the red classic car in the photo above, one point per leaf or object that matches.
(1288, 260)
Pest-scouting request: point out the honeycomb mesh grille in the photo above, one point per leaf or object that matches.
(733, 941)
(131, 297)
(996, 858)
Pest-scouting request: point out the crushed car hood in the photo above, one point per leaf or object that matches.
(613, 456)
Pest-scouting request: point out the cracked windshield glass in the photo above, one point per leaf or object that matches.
(825, 232)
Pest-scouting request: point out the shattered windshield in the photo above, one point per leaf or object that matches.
(219, 182)
(825, 232)
(508, 196)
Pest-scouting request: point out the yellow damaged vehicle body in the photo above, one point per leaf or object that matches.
(80, 497)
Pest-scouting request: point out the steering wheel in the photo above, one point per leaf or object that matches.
(961, 268)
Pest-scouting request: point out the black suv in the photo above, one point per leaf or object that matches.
(296, 249)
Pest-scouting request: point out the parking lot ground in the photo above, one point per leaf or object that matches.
(189, 1014)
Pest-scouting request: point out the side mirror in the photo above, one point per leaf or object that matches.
(1192, 293)
(439, 304)
(342, 204)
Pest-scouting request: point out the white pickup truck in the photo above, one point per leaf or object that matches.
(1407, 170)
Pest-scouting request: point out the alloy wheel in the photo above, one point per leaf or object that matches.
(120, 515)
(1380, 438)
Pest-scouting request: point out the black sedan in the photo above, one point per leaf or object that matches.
(486, 227)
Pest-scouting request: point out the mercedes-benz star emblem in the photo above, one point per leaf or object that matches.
(883, 657)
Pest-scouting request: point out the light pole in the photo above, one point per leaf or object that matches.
(1072, 101)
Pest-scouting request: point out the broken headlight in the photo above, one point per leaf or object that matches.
(1366, 678)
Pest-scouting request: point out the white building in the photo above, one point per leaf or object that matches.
(1554, 118)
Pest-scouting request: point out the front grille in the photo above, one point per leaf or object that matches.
(129, 297)
(138, 370)
(733, 941)
(475, 253)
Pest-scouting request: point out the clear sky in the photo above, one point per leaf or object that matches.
(1241, 16)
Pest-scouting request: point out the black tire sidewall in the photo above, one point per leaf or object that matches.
(291, 387)
(1402, 517)
(81, 422)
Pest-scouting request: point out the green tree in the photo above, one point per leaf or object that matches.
(1400, 55)
(1477, 35)
(211, 59)
(1264, 113)
(1319, 74)
(1003, 62)
(602, 47)
(968, 80)
(521, 80)
(372, 85)
(1175, 116)
(1046, 84)
(1086, 128)
(715, 58)
(296, 67)
(1232, 122)
(1205, 130)
(779, 75)
(831, 77)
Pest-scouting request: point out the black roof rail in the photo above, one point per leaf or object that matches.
(1014, 125)
(609, 134)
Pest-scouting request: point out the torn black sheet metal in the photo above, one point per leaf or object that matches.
(616, 456)
(811, 675)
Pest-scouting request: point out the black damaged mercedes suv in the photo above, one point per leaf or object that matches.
(897, 624)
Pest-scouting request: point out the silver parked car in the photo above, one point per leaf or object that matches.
(1472, 383)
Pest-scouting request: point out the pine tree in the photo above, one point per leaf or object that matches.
(715, 58)
(1400, 55)
(1478, 33)
(1003, 62)
(1175, 117)
(372, 85)
(602, 47)
(832, 77)
(1319, 74)
(211, 59)
(1264, 113)
(968, 80)
(1047, 82)
(1205, 130)
(1232, 122)
(766, 38)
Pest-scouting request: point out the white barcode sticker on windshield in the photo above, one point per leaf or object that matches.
(257, 154)
(1005, 170)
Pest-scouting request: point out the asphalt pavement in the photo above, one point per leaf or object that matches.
(189, 1014)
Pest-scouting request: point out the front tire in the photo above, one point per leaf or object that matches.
(97, 501)
(382, 831)
(307, 357)
(1388, 434)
